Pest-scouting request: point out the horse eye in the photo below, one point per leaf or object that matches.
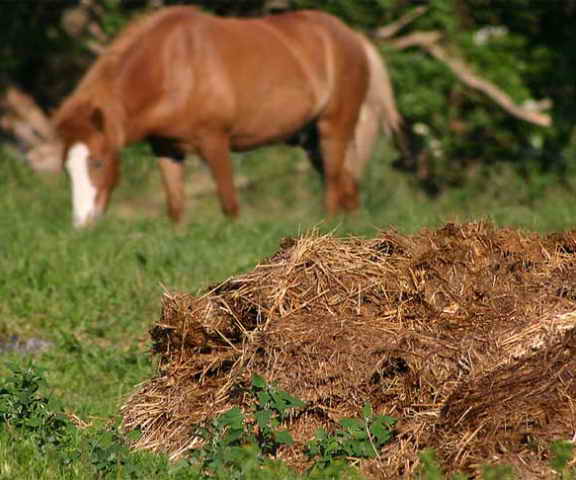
(96, 163)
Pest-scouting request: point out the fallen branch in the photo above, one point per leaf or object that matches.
(418, 39)
(393, 28)
(429, 41)
(31, 127)
(22, 106)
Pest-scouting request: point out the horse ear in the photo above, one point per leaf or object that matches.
(97, 119)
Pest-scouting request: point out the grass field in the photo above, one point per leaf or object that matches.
(93, 294)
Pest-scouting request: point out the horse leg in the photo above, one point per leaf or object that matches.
(349, 194)
(171, 164)
(172, 171)
(215, 150)
(341, 186)
(308, 139)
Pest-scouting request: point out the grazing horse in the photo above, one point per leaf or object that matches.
(189, 82)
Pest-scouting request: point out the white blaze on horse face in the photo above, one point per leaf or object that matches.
(83, 191)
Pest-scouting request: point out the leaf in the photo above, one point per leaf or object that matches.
(283, 437)
(263, 399)
(367, 410)
(291, 401)
(321, 434)
(386, 420)
(232, 437)
(259, 383)
(351, 424)
(381, 433)
(263, 419)
(363, 449)
(233, 418)
(288, 399)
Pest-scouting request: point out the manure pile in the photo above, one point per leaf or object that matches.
(465, 335)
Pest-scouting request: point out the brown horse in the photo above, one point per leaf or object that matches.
(188, 82)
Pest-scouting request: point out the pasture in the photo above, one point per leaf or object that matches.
(92, 295)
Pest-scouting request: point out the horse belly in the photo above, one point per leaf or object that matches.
(273, 116)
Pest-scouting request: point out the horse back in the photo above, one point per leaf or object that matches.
(309, 25)
(284, 71)
(329, 45)
(180, 73)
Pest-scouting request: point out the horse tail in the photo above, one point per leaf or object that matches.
(378, 111)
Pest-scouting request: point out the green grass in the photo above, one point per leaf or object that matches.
(94, 293)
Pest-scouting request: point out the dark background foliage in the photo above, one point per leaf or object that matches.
(525, 47)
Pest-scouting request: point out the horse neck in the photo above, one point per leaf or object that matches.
(114, 127)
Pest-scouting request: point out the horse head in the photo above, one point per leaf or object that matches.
(91, 159)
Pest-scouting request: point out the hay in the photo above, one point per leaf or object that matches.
(410, 323)
(512, 414)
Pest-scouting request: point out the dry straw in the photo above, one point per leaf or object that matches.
(464, 334)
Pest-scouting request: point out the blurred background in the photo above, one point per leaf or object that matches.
(486, 88)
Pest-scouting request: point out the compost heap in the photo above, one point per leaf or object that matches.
(465, 334)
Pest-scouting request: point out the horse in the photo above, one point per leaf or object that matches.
(190, 82)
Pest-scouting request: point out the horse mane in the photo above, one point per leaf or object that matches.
(96, 89)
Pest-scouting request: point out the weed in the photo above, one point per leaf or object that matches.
(272, 408)
(562, 455)
(37, 421)
(498, 472)
(429, 467)
(24, 409)
(356, 438)
(232, 443)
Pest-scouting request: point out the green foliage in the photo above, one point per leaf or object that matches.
(562, 455)
(24, 409)
(24, 50)
(359, 13)
(498, 472)
(355, 438)
(272, 408)
(429, 467)
(30, 416)
(238, 445)
(519, 46)
(110, 457)
(457, 126)
(233, 444)
(113, 17)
